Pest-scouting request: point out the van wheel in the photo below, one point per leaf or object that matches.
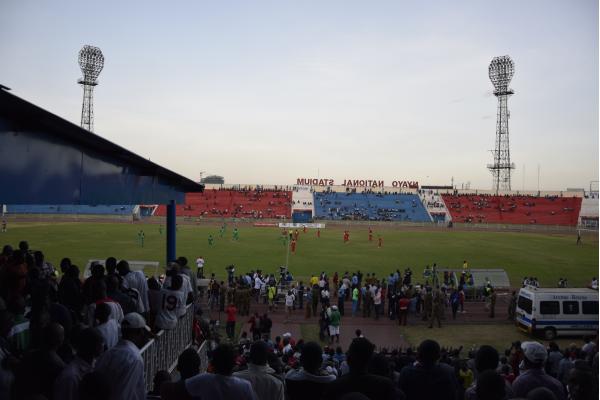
(549, 333)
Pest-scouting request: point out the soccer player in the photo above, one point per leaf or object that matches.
(318, 232)
(380, 240)
(304, 229)
(578, 233)
(236, 234)
(160, 229)
(293, 246)
(370, 235)
(210, 240)
(222, 231)
(141, 237)
(3, 225)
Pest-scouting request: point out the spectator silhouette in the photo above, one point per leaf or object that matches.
(359, 379)
(218, 386)
(427, 379)
(309, 382)
(486, 359)
(265, 385)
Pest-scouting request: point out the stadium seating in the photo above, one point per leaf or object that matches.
(370, 207)
(435, 205)
(214, 203)
(70, 209)
(513, 209)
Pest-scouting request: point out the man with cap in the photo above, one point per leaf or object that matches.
(532, 372)
(334, 323)
(123, 364)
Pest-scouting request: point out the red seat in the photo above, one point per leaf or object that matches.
(515, 209)
(214, 203)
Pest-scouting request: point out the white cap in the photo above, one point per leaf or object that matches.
(134, 320)
(334, 307)
(287, 334)
(534, 352)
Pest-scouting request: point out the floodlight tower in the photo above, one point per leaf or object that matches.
(501, 71)
(91, 62)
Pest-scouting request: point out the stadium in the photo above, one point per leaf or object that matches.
(121, 278)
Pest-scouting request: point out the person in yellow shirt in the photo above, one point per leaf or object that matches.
(313, 281)
(465, 265)
(466, 375)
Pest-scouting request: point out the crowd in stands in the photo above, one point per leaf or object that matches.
(62, 337)
(293, 369)
(369, 206)
(255, 203)
(68, 338)
(515, 209)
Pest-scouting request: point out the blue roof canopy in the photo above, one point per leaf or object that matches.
(45, 159)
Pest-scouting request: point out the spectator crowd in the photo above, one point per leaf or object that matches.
(64, 337)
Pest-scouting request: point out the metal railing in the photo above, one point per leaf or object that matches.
(161, 353)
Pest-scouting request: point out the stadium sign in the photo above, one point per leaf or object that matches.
(356, 183)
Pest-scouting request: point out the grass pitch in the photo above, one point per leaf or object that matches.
(547, 257)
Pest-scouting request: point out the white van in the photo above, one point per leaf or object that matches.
(557, 311)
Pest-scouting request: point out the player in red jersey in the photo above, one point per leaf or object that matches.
(370, 235)
(319, 232)
(380, 244)
(304, 229)
(293, 246)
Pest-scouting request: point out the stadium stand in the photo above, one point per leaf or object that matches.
(71, 209)
(588, 216)
(228, 203)
(435, 206)
(551, 210)
(370, 207)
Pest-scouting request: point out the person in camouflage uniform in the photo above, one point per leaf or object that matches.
(492, 303)
(245, 301)
(316, 295)
(222, 293)
(427, 305)
(438, 306)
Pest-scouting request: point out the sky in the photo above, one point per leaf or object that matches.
(269, 91)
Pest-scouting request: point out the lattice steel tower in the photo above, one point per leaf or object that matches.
(91, 62)
(501, 71)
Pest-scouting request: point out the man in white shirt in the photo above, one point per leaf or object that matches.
(100, 297)
(172, 302)
(174, 269)
(289, 304)
(123, 364)
(218, 386)
(89, 346)
(259, 374)
(108, 327)
(257, 284)
(200, 264)
(135, 280)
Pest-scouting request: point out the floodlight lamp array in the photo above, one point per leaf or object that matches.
(91, 62)
(501, 71)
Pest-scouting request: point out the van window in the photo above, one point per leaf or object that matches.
(549, 307)
(524, 304)
(589, 307)
(570, 307)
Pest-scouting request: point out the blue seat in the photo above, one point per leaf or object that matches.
(369, 207)
(70, 209)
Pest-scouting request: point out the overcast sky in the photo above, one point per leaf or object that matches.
(265, 92)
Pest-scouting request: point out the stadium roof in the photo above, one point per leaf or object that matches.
(45, 159)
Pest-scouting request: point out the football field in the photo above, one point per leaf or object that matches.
(545, 256)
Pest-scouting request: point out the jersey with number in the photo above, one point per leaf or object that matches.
(171, 302)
